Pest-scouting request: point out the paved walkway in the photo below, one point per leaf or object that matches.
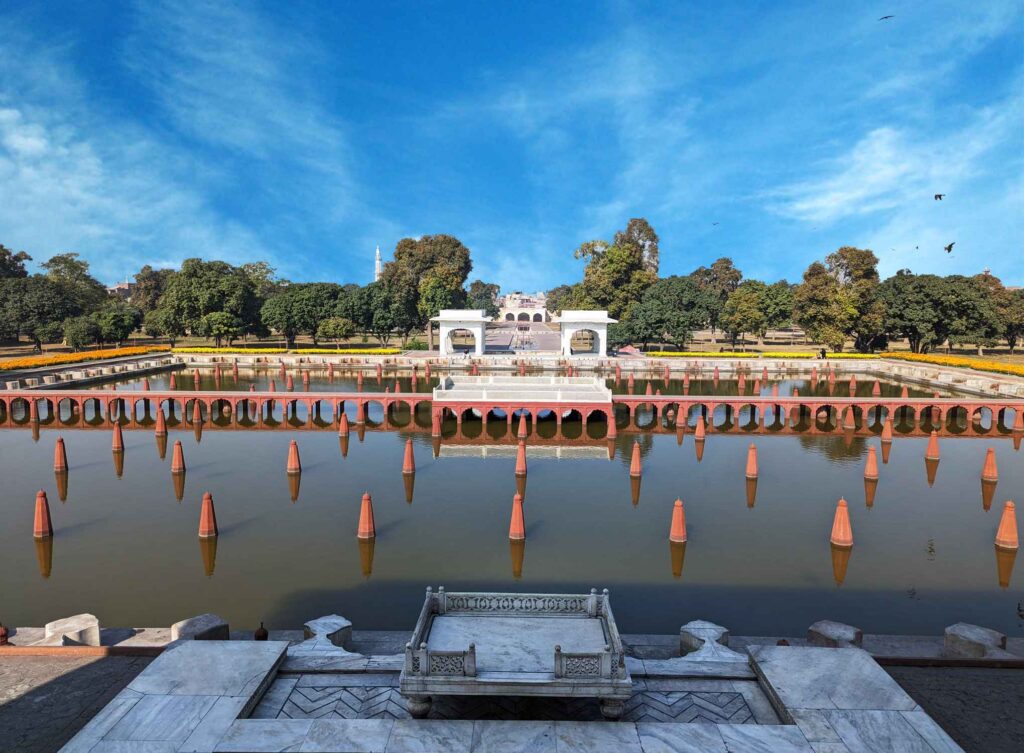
(982, 709)
(44, 701)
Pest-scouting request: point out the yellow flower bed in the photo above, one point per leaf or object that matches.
(744, 354)
(980, 364)
(350, 351)
(35, 362)
(244, 351)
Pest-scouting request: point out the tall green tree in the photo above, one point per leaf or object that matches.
(483, 295)
(617, 273)
(221, 325)
(671, 309)
(336, 328)
(821, 308)
(149, 286)
(35, 307)
(300, 308)
(744, 311)
(81, 331)
(717, 281)
(913, 309)
(203, 287)
(641, 235)
(71, 275)
(856, 273)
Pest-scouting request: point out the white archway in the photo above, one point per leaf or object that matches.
(573, 322)
(473, 320)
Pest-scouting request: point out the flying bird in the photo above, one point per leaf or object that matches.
(940, 196)
(949, 248)
(714, 223)
(886, 18)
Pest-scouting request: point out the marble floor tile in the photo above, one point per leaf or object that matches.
(753, 738)
(929, 729)
(264, 736)
(211, 668)
(680, 738)
(162, 717)
(362, 735)
(872, 731)
(513, 737)
(596, 737)
(214, 724)
(430, 736)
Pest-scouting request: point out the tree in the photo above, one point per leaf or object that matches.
(280, 314)
(744, 311)
(36, 307)
(671, 308)
(717, 281)
(777, 304)
(221, 325)
(117, 320)
(968, 311)
(80, 331)
(1009, 307)
(162, 322)
(379, 311)
(439, 290)
(617, 274)
(483, 295)
(820, 307)
(202, 287)
(71, 274)
(913, 308)
(856, 272)
(149, 286)
(439, 256)
(641, 235)
(558, 297)
(12, 264)
(336, 328)
(1012, 305)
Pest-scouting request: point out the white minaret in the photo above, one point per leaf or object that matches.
(377, 266)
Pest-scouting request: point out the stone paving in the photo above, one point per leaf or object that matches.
(45, 700)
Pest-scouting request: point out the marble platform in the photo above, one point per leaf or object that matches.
(205, 697)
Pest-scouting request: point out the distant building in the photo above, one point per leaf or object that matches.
(523, 307)
(122, 290)
(378, 266)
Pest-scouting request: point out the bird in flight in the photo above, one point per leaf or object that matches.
(886, 18)
(714, 223)
(949, 248)
(940, 196)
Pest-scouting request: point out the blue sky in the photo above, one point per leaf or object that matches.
(306, 133)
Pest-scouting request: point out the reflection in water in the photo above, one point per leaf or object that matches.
(870, 485)
(634, 486)
(988, 490)
(409, 480)
(178, 480)
(366, 546)
(119, 463)
(343, 444)
(931, 467)
(677, 552)
(61, 478)
(698, 447)
(293, 485)
(161, 445)
(1004, 565)
(208, 551)
(840, 561)
(44, 555)
(517, 549)
(751, 491)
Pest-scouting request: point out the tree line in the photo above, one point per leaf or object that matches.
(840, 299)
(214, 299)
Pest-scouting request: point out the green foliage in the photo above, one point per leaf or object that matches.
(12, 264)
(856, 271)
(71, 275)
(616, 274)
(820, 307)
(671, 309)
(745, 310)
(161, 322)
(717, 282)
(336, 328)
(203, 287)
(36, 307)
(483, 295)
(913, 308)
(117, 320)
(80, 331)
(557, 298)
(221, 325)
(149, 286)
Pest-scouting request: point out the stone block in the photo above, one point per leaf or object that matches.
(80, 629)
(965, 640)
(693, 634)
(333, 628)
(14, 384)
(203, 627)
(829, 634)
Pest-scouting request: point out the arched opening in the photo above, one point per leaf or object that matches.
(538, 317)
(400, 414)
(583, 341)
(461, 341)
(510, 317)
(597, 424)
(523, 317)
